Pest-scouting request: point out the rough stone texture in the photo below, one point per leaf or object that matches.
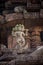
(35, 57)
(31, 15)
(14, 58)
(13, 16)
(33, 7)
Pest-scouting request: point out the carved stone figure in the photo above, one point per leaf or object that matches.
(20, 9)
(18, 33)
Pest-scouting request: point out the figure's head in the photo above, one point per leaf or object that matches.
(18, 27)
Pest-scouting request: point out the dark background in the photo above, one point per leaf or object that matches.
(2, 4)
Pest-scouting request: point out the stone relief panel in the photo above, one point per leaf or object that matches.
(19, 36)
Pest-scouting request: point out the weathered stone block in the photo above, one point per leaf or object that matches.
(13, 16)
(31, 15)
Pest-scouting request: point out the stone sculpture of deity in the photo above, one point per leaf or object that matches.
(18, 33)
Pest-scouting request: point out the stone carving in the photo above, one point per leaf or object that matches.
(20, 9)
(18, 33)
